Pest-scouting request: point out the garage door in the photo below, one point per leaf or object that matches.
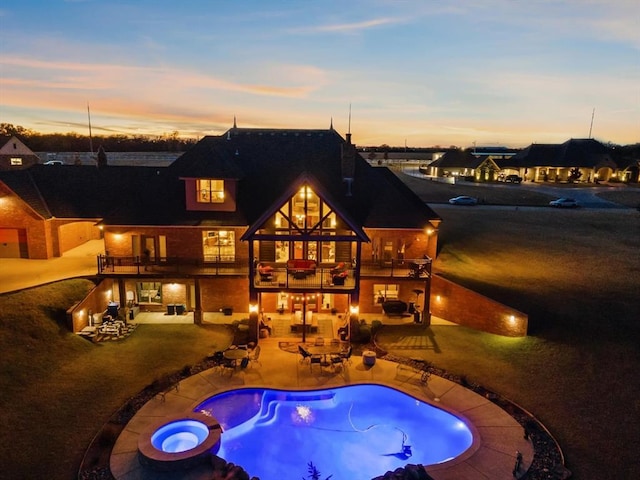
(13, 243)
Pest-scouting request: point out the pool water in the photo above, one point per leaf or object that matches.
(351, 432)
(179, 436)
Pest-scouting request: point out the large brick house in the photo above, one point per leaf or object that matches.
(254, 219)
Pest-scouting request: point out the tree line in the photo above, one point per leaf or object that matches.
(74, 142)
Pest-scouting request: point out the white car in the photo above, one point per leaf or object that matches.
(463, 200)
(564, 203)
(54, 162)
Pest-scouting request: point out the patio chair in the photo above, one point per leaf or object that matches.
(254, 356)
(217, 358)
(306, 356)
(315, 360)
(227, 366)
(346, 356)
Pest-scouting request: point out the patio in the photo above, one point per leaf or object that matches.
(497, 435)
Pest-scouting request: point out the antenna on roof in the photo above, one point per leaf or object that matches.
(331, 126)
(349, 129)
(90, 137)
(234, 122)
(592, 115)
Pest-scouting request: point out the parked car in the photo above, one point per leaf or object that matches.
(54, 162)
(463, 200)
(513, 179)
(564, 203)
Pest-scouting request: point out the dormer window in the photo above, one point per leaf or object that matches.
(210, 191)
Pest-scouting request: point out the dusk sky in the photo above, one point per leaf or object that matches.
(415, 72)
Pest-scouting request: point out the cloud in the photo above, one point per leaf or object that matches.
(350, 27)
(94, 77)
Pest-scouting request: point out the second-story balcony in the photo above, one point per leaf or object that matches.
(277, 275)
(283, 278)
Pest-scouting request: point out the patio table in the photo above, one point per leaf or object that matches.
(235, 354)
(324, 350)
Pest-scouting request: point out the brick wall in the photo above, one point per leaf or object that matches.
(465, 307)
(14, 213)
(416, 243)
(225, 292)
(368, 298)
(71, 234)
(95, 302)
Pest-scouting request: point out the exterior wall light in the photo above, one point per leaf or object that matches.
(253, 308)
(354, 309)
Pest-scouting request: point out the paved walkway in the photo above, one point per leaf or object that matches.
(497, 436)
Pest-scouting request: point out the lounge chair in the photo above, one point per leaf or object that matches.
(265, 272)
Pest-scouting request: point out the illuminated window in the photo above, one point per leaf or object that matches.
(17, 161)
(382, 292)
(210, 191)
(149, 292)
(219, 246)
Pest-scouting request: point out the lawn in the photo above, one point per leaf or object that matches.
(59, 389)
(576, 273)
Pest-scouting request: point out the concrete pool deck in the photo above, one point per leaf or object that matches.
(497, 435)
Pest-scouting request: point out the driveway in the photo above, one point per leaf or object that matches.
(20, 273)
(586, 196)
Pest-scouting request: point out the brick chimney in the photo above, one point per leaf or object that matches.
(348, 163)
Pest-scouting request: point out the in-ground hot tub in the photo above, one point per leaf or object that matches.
(178, 443)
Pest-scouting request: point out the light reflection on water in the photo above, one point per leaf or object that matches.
(351, 432)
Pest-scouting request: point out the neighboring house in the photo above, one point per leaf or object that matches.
(629, 169)
(15, 155)
(464, 163)
(424, 156)
(584, 160)
(291, 220)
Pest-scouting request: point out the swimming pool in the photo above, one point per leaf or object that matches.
(351, 432)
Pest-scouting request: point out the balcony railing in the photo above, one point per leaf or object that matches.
(408, 267)
(281, 277)
(318, 279)
(171, 265)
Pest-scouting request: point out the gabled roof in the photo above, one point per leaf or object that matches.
(458, 159)
(273, 159)
(264, 162)
(69, 191)
(293, 189)
(572, 153)
(22, 184)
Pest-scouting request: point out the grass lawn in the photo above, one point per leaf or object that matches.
(59, 389)
(576, 273)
